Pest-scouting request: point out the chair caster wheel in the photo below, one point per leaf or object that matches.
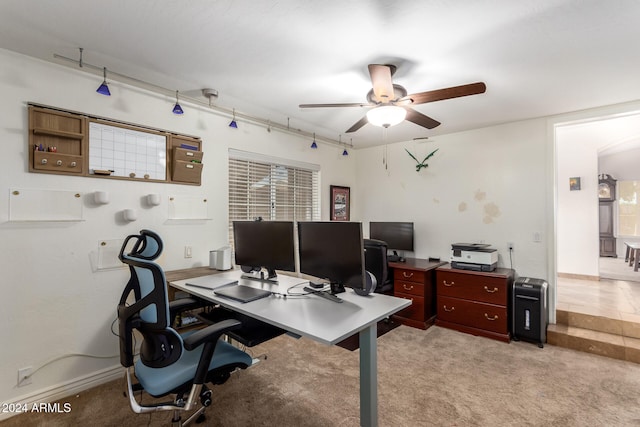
(201, 418)
(205, 398)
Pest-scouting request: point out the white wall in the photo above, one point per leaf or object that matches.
(54, 302)
(486, 185)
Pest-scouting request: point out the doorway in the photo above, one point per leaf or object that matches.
(580, 143)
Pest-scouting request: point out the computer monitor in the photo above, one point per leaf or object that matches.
(333, 251)
(264, 244)
(398, 235)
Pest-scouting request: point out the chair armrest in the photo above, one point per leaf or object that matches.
(210, 333)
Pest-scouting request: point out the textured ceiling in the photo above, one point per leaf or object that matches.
(537, 57)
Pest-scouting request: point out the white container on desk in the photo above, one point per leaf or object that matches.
(220, 259)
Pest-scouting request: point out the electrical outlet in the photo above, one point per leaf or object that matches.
(24, 376)
(510, 245)
(187, 252)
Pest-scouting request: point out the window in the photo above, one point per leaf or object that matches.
(628, 208)
(271, 188)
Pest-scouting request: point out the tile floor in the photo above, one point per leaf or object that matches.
(600, 317)
(615, 295)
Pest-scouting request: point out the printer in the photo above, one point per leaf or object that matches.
(474, 256)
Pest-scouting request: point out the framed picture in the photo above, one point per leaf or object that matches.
(340, 203)
(574, 183)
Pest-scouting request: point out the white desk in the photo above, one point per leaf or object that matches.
(319, 319)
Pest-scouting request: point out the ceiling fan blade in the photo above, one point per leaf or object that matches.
(448, 93)
(351, 104)
(363, 121)
(382, 84)
(420, 119)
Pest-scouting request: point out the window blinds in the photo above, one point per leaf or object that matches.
(272, 189)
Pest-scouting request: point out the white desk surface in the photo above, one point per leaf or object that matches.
(310, 315)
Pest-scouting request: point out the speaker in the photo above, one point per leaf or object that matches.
(370, 284)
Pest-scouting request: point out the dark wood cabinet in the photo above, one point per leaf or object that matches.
(414, 279)
(475, 302)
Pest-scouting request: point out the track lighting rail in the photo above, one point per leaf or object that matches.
(229, 112)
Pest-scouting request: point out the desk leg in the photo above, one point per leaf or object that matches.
(369, 376)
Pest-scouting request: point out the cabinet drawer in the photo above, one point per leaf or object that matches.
(478, 315)
(411, 288)
(415, 311)
(408, 275)
(187, 155)
(187, 171)
(47, 161)
(492, 290)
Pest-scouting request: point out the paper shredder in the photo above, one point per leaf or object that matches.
(529, 305)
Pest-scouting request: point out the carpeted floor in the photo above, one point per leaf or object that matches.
(437, 377)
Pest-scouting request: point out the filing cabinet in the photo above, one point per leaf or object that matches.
(475, 302)
(414, 279)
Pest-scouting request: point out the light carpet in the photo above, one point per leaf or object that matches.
(436, 377)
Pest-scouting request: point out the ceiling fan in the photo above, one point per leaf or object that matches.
(391, 104)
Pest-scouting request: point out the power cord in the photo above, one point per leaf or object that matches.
(510, 258)
(64, 356)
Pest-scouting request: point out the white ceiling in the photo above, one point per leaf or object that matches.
(537, 57)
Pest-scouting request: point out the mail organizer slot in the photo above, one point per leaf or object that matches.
(187, 155)
(188, 172)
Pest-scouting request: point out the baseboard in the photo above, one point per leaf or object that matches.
(578, 276)
(62, 390)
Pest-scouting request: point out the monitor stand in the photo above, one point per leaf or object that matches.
(272, 277)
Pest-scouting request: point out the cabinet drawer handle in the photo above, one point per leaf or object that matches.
(449, 310)
(486, 316)
(407, 288)
(444, 282)
(43, 161)
(407, 276)
(491, 290)
(73, 164)
(59, 163)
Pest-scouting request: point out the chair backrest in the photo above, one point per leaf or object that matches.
(375, 259)
(149, 311)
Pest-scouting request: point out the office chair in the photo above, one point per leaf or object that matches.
(169, 363)
(375, 259)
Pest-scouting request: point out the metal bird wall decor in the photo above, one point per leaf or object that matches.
(421, 164)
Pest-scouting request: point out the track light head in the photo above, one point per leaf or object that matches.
(233, 123)
(103, 89)
(177, 109)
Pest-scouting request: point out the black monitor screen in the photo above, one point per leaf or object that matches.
(267, 244)
(332, 251)
(398, 235)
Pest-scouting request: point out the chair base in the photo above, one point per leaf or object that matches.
(178, 409)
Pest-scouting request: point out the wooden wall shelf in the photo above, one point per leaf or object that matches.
(60, 142)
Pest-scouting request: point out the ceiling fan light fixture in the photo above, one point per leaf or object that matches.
(386, 115)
